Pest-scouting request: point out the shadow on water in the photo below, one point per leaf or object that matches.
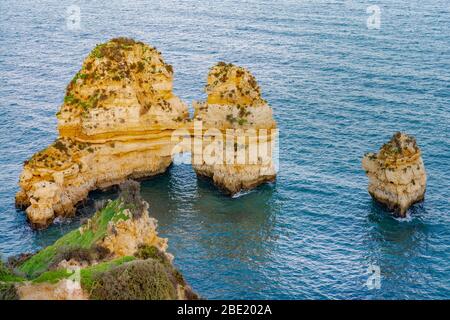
(178, 199)
(395, 245)
(236, 227)
(391, 229)
(234, 236)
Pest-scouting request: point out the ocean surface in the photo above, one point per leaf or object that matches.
(338, 89)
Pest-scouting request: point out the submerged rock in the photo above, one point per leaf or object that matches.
(236, 113)
(396, 174)
(115, 123)
(117, 254)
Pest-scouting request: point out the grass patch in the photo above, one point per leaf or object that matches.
(6, 274)
(88, 274)
(53, 276)
(41, 261)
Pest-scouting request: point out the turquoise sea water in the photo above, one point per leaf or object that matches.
(338, 90)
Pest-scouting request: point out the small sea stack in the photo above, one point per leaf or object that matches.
(236, 113)
(396, 174)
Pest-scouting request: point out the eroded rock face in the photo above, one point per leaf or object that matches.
(396, 174)
(235, 111)
(115, 123)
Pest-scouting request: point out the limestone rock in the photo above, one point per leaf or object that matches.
(235, 111)
(396, 174)
(115, 123)
(62, 290)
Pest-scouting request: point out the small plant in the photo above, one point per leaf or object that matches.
(70, 99)
(130, 195)
(242, 121)
(8, 291)
(60, 146)
(140, 66)
(7, 275)
(97, 52)
(169, 68)
(230, 118)
(152, 252)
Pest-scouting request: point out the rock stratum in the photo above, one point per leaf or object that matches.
(115, 255)
(397, 176)
(242, 130)
(116, 122)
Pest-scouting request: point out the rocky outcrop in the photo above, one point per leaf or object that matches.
(115, 123)
(239, 155)
(118, 121)
(396, 174)
(117, 254)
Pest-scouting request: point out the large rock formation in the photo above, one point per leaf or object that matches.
(117, 254)
(396, 174)
(115, 123)
(240, 126)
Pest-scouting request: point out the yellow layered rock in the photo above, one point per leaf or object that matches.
(115, 123)
(237, 119)
(396, 174)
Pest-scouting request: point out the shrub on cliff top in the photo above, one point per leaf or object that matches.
(152, 252)
(7, 275)
(8, 291)
(175, 276)
(88, 255)
(130, 195)
(137, 280)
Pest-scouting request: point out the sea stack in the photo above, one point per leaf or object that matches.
(396, 174)
(115, 123)
(235, 113)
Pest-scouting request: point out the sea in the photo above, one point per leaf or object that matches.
(341, 76)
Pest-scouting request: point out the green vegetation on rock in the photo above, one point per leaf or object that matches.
(87, 274)
(6, 274)
(85, 237)
(8, 291)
